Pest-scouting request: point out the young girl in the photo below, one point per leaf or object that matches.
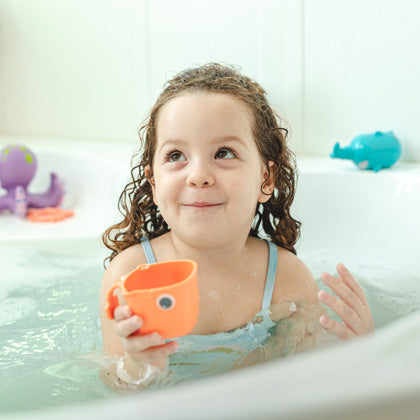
(215, 184)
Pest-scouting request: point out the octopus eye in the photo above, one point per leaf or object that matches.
(165, 302)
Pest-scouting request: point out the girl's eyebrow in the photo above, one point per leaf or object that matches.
(171, 142)
(218, 140)
(234, 139)
(230, 138)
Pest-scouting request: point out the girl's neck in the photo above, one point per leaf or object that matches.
(228, 254)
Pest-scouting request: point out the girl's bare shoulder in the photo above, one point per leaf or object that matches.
(294, 281)
(126, 261)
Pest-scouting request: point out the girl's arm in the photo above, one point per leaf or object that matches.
(309, 325)
(296, 310)
(295, 282)
(139, 357)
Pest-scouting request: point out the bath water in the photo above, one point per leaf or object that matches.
(49, 329)
(50, 339)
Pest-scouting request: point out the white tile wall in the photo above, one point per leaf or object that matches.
(91, 69)
(361, 67)
(69, 68)
(255, 35)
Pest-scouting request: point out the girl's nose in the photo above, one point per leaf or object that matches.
(200, 176)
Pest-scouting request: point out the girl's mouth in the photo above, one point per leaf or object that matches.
(202, 205)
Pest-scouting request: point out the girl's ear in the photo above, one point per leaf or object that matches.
(149, 178)
(151, 181)
(267, 187)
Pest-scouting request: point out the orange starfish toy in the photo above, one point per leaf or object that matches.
(48, 214)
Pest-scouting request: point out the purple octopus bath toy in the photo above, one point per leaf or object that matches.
(17, 169)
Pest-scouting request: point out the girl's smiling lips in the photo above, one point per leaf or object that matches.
(201, 204)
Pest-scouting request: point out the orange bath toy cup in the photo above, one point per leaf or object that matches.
(165, 295)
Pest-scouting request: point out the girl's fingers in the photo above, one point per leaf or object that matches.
(139, 343)
(148, 347)
(142, 348)
(348, 279)
(158, 352)
(341, 289)
(339, 330)
(351, 306)
(122, 312)
(345, 312)
(128, 326)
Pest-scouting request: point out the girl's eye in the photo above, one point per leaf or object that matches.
(175, 156)
(225, 153)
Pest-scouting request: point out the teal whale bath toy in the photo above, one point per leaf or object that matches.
(371, 151)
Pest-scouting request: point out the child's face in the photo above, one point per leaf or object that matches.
(207, 171)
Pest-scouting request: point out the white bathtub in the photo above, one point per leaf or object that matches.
(360, 215)
(93, 175)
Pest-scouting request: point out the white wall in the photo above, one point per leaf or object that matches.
(90, 69)
(70, 68)
(361, 71)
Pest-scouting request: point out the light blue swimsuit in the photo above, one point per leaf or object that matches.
(200, 355)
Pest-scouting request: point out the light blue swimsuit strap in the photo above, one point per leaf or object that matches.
(147, 248)
(271, 276)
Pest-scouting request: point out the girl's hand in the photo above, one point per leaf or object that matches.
(352, 308)
(141, 348)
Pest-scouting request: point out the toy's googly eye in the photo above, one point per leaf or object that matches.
(165, 302)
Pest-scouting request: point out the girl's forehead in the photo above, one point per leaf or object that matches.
(204, 97)
(198, 111)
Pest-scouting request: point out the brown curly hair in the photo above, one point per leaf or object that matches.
(272, 218)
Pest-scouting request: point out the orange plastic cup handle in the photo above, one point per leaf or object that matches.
(112, 301)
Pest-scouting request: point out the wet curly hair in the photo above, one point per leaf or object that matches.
(141, 217)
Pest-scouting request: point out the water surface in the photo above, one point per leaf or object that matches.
(50, 338)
